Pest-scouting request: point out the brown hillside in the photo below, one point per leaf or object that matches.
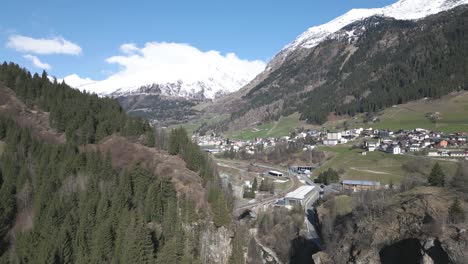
(36, 120)
(125, 154)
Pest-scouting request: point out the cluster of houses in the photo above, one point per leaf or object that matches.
(216, 144)
(341, 137)
(434, 144)
(418, 140)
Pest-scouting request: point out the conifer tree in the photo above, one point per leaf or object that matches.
(456, 212)
(437, 176)
(255, 185)
(237, 254)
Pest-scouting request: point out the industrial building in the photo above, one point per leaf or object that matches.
(360, 185)
(304, 195)
(301, 169)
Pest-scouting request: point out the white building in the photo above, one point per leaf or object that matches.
(415, 148)
(330, 142)
(275, 173)
(372, 145)
(304, 195)
(334, 135)
(395, 150)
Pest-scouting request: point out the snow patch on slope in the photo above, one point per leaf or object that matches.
(402, 10)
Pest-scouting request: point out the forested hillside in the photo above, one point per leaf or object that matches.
(366, 67)
(71, 203)
(85, 118)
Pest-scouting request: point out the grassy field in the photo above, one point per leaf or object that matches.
(279, 128)
(192, 127)
(375, 166)
(453, 110)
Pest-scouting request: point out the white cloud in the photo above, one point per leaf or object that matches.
(76, 81)
(35, 60)
(129, 48)
(161, 62)
(56, 45)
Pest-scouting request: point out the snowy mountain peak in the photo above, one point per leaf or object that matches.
(172, 69)
(402, 10)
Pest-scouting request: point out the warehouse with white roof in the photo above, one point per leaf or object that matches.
(303, 195)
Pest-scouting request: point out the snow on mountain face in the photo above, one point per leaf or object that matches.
(402, 10)
(172, 69)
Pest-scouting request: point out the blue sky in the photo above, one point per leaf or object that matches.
(253, 30)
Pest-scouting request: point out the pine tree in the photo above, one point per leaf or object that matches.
(168, 254)
(150, 140)
(460, 180)
(456, 212)
(217, 200)
(139, 246)
(437, 176)
(254, 185)
(103, 243)
(237, 254)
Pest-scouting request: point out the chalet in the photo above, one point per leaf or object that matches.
(343, 140)
(414, 148)
(334, 135)
(385, 133)
(394, 149)
(360, 185)
(372, 145)
(426, 143)
(330, 142)
(442, 144)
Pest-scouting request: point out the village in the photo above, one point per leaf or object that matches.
(261, 187)
(418, 141)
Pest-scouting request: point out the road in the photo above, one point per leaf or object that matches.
(295, 184)
(310, 219)
(310, 216)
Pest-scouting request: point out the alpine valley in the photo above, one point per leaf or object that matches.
(363, 61)
(349, 146)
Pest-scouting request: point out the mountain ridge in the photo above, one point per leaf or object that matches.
(346, 72)
(401, 10)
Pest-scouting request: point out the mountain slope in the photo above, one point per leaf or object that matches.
(364, 67)
(401, 10)
(110, 193)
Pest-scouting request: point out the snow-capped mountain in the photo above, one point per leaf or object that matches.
(172, 69)
(402, 10)
(207, 88)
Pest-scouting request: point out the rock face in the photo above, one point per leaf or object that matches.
(215, 245)
(411, 228)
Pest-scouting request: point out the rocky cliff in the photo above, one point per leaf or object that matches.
(411, 227)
